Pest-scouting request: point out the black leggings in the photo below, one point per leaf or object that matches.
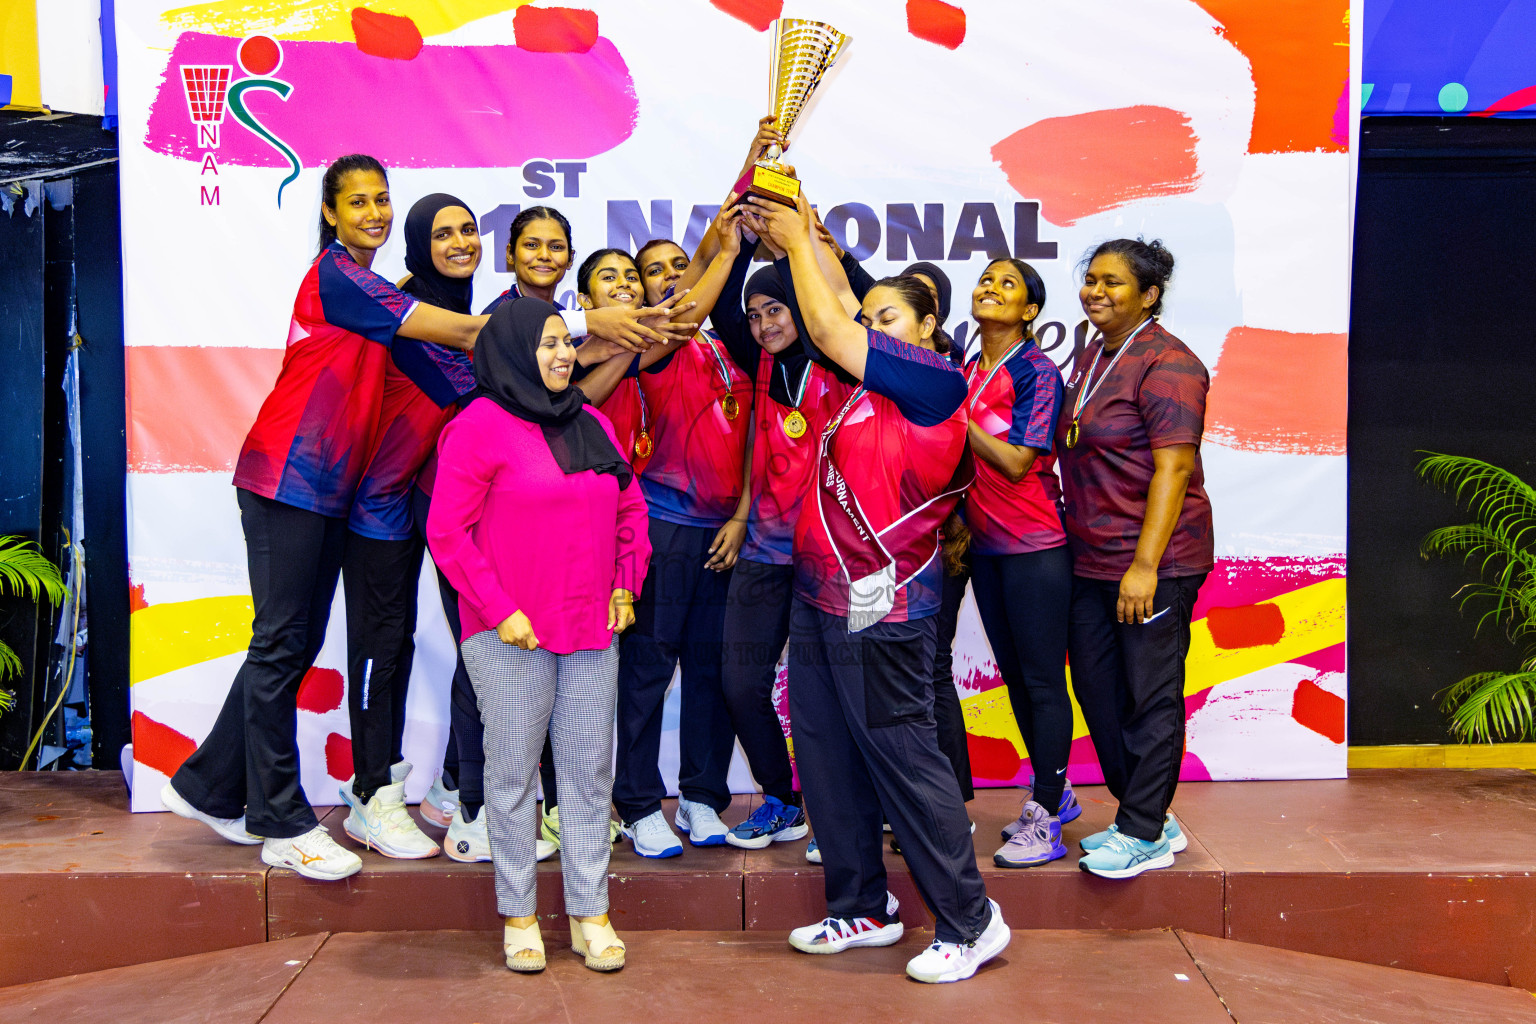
(756, 628)
(947, 714)
(1025, 601)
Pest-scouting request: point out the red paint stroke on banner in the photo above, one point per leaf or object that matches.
(189, 408)
(992, 757)
(506, 105)
(1254, 625)
(555, 29)
(1319, 710)
(260, 55)
(1517, 100)
(757, 13)
(391, 36)
(936, 22)
(159, 746)
(1299, 52)
(338, 757)
(1253, 408)
(136, 600)
(321, 690)
(1100, 160)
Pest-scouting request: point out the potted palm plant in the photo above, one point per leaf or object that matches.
(1501, 542)
(23, 571)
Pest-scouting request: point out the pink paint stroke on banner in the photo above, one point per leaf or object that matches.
(452, 106)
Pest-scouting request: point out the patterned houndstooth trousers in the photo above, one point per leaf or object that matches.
(522, 694)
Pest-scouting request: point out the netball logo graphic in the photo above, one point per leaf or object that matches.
(210, 92)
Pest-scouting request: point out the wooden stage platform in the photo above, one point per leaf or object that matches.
(1429, 870)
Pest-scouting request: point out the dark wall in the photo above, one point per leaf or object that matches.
(1442, 353)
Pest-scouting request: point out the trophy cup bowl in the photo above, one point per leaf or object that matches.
(802, 54)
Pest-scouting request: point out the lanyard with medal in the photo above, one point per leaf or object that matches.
(1090, 386)
(728, 404)
(794, 423)
(643, 443)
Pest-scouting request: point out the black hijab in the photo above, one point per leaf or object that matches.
(507, 370)
(790, 366)
(427, 283)
(940, 281)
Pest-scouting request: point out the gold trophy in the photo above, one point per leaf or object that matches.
(803, 52)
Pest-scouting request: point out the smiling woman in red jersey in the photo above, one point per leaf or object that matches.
(891, 465)
(296, 479)
(1139, 525)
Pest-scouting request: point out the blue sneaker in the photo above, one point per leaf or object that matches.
(812, 852)
(1124, 856)
(1069, 811)
(1177, 842)
(773, 822)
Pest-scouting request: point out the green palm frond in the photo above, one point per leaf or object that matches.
(1501, 545)
(1490, 706)
(24, 570)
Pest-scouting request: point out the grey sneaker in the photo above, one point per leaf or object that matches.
(1038, 842)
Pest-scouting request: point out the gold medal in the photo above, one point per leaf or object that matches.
(730, 407)
(643, 446)
(794, 424)
(1072, 435)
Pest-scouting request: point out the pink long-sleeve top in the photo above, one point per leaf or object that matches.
(514, 533)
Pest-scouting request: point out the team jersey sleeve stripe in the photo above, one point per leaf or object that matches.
(360, 301)
(1037, 399)
(926, 387)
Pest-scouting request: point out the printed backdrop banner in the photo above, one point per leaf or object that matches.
(950, 133)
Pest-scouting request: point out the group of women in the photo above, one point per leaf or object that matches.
(611, 493)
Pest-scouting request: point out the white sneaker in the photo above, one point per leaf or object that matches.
(232, 829)
(835, 934)
(702, 824)
(385, 825)
(467, 841)
(956, 961)
(652, 836)
(439, 803)
(313, 855)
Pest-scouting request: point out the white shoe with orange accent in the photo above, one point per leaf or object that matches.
(314, 855)
(383, 824)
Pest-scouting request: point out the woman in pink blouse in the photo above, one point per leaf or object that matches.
(537, 520)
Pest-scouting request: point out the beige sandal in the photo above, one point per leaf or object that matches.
(516, 940)
(587, 936)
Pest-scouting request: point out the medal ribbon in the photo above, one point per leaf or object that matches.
(798, 394)
(725, 370)
(992, 373)
(1089, 386)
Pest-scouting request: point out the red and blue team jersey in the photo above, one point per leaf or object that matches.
(694, 476)
(315, 432)
(784, 467)
(898, 448)
(1016, 401)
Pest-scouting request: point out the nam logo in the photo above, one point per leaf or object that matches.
(210, 93)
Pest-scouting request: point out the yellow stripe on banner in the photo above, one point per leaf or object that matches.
(166, 637)
(1314, 620)
(326, 20)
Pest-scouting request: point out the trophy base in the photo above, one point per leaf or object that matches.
(769, 183)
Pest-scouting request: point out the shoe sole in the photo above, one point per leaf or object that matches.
(671, 851)
(887, 936)
(1163, 861)
(177, 805)
(453, 856)
(525, 966)
(1004, 937)
(346, 827)
(1056, 853)
(308, 872)
(436, 815)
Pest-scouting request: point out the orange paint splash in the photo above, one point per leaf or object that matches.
(321, 690)
(992, 757)
(385, 35)
(757, 13)
(554, 29)
(218, 389)
(1251, 407)
(1253, 625)
(1320, 711)
(338, 757)
(159, 746)
(1299, 52)
(1084, 164)
(937, 22)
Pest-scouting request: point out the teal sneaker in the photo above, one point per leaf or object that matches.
(1123, 856)
(1177, 842)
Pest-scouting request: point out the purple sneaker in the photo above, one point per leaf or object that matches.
(1069, 811)
(1037, 842)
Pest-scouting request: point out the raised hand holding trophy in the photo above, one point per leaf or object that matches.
(803, 52)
